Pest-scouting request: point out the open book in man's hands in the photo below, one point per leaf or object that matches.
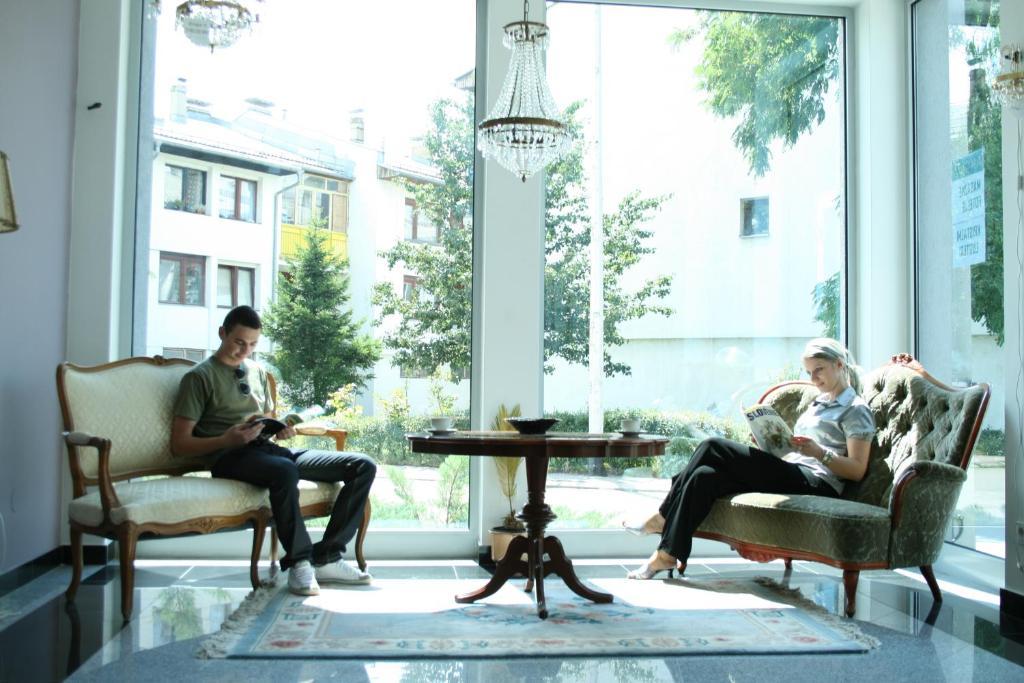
(770, 431)
(272, 426)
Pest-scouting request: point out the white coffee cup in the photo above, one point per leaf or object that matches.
(630, 424)
(440, 424)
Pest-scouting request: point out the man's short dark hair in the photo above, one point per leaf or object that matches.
(242, 315)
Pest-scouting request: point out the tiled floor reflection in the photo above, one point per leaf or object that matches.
(177, 603)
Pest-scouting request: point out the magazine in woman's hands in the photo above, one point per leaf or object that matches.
(770, 431)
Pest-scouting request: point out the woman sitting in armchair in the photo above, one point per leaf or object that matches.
(831, 444)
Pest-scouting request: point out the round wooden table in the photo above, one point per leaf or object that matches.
(544, 553)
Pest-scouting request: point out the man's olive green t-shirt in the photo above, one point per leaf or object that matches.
(212, 396)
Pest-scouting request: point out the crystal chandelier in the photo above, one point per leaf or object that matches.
(215, 23)
(1009, 84)
(525, 131)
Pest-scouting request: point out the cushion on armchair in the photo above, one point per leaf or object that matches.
(841, 529)
(172, 500)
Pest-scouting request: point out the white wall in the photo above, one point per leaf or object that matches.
(38, 64)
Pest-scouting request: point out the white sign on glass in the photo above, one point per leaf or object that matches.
(968, 198)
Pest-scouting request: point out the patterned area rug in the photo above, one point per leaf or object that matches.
(419, 618)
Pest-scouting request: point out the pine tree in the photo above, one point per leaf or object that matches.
(319, 347)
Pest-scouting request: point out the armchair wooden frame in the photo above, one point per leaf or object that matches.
(127, 534)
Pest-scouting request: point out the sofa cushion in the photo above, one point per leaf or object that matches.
(99, 403)
(844, 530)
(172, 500)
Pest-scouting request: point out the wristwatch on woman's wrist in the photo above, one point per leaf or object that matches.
(826, 456)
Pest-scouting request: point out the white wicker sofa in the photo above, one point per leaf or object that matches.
(127, 485)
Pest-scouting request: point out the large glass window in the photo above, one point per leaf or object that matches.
(316, 180)
(958, 227)
(690, 122)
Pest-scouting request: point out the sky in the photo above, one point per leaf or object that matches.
(320, 59)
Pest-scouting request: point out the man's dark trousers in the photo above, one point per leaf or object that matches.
(278, 469)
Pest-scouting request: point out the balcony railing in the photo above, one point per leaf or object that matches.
(292, 236)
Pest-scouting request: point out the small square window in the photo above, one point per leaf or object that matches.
(754, 216)
(184, 189)
(238, 199)
(182, 279)
(417, 227)
(235, 286)
(410, 283)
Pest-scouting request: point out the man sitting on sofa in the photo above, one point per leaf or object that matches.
(214, 402)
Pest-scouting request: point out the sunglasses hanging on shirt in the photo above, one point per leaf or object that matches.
(242, 385)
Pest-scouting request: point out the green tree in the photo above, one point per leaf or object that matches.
(434, 319)
(770, 70)
(985, 131)
(319, 347)
(826, 305)
(567, 263)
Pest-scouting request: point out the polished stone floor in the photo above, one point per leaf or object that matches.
(178, 602)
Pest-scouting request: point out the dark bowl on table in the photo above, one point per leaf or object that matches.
(531, 425)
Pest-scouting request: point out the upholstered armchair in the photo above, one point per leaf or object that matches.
(897, 515)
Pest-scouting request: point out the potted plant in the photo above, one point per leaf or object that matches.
(507, 467)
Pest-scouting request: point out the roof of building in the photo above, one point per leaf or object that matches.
(259, 141)
(206, 137)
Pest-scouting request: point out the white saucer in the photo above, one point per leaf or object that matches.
(629, 434)
(442, 432)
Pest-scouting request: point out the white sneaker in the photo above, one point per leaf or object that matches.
(302, 579)
(342, 572)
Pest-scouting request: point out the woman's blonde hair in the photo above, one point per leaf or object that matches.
(831, 350)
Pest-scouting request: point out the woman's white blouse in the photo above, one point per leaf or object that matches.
(831, 423)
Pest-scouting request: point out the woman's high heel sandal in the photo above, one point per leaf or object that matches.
(636, 529)
(646, 573)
